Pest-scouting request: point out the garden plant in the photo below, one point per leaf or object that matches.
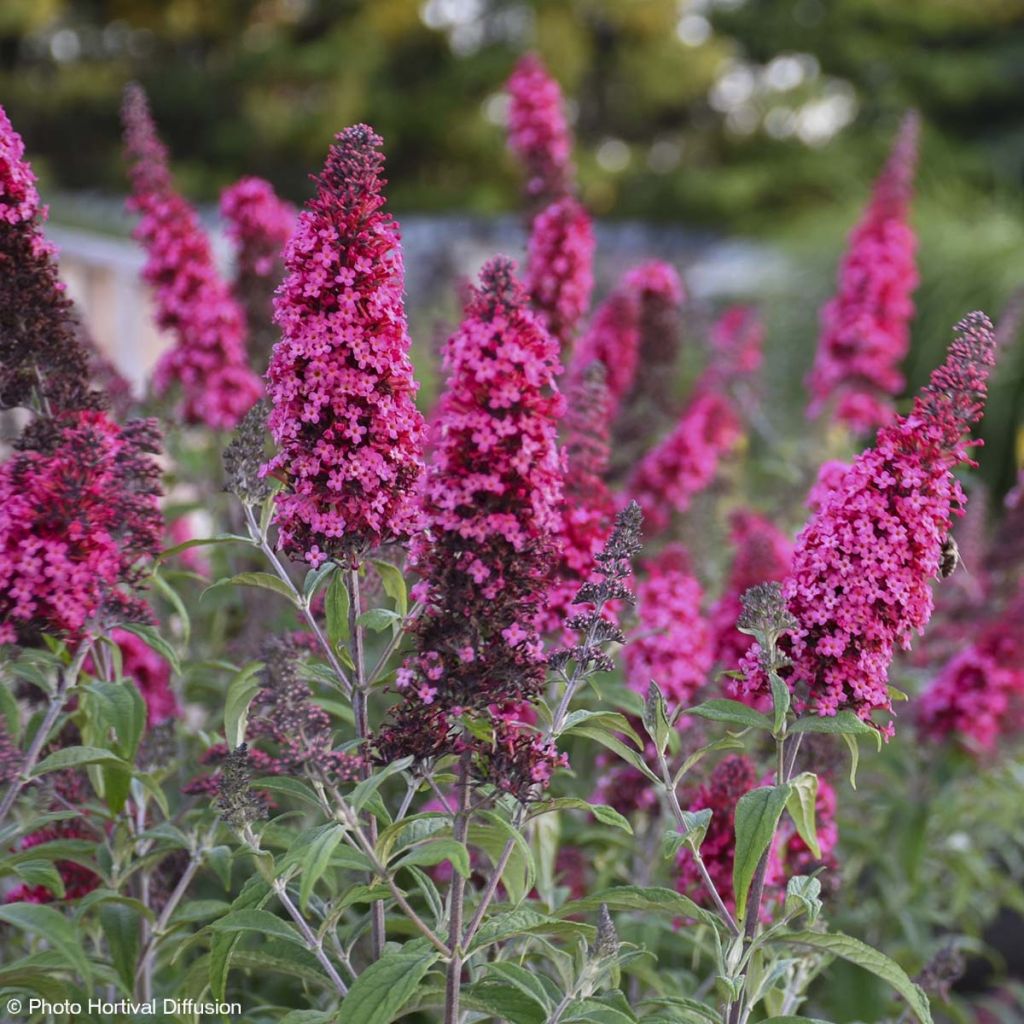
(580, 694)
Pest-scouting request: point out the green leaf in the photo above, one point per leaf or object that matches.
(655, 717)
(362, 793)
(845, 723)
(288, 787)
(315, 861)
(802, 809)
(150, 636)
(263, 580)
(10, 713)
(696, 828)
(645, 898)
(171, 596)
(75, 757)
(55, 928)
(41, 872)
(614, 744)
(781, 699)
(222, 538)
(379, 619)
(255, 894)
(315, 579)
(121, 927)
(733, 712)
(394, 585)
(119, 706)
(757, 815)
(802, 895)
(504, 1001)
(610, 721)
(241, 690)
(435, 852)
(854, 747)
(261, 921)
(336, 606)
(383, 988)
(794, 1020)
(856, 952)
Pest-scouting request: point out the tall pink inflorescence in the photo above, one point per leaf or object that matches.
(259, 224)
(671, 645)
(559, 266)
(344, 416)
(737, 340)
(632, 329)
(491, 500)
(208, 361)
(588, 511)
(79, 521)
(538, 132)
(42, 362)
(763, 554)
(685, 462)
(859, 586)
(865, 327)
(978, 696)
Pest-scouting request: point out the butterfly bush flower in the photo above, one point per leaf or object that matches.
(762, 554)
(538, 133)
(672, 641)
(865, 327)
(491, 502)
(634, 332)
(259, 224)
(978, 696)
(79, 519)
(588, 511)
(859, 585)
(559, 266)
(685, 462)
(41, 357)
(208, 360)
(732, 778)
(737, 347)
(341, 384)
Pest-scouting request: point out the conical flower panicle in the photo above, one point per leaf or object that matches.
(41, 357)
(341, 383)
(491, 504)
(588, 511)
(865, 327)
(538, 132)
(860, 583)
(559, 274)
(259, 224)
(79, 520)
(208, 360)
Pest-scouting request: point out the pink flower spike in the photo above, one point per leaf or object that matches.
(865, 327)
(341, 382)
(208, 360)
(538, 132)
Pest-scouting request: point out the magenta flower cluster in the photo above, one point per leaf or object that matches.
(559, 266)
(259, 224)
(762, 555)
(978, 696)
(79, 518)
(865, 327)
(491, 500)
(538, 133)
(685, 462)
(208, 359)
(671, 644)
(344, 415)
(859, 586)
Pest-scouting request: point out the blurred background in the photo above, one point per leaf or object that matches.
(736, 137)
